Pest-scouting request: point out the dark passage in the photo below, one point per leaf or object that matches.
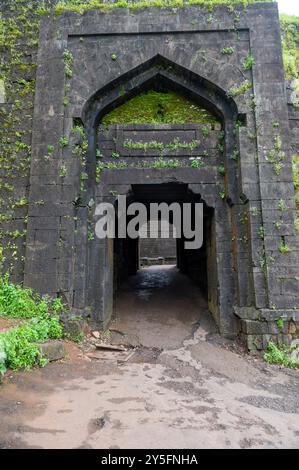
(151, 300)
(159, 307)
(132, 255)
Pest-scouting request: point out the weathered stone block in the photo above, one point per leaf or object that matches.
(52, 350)
(74, 326)
(250, 327)
(254, 342)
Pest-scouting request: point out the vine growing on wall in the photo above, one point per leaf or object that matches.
(19, 30)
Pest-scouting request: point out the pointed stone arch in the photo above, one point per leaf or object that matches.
(154, 73)
(146, 76)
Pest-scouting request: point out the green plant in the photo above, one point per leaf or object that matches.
(239, 90)
(205, 131)
(106, 334)
(19, 344)
(78, 338)
(174, 145)
(220, 148)
(204, 56)
(290, 40)
(283, 248)
(63, 171)
(277, 224)
(115, 155)
(235, 155)
(79, 129)
(228, 50)
(263, 264)
(280, 355)
(159, 108)
(255, 211)
(67, 56)
(276, 155)
(160, 163)
(282, 205)
(261, 232)
(165, 163)
(81, 6)
(295, 167)
(196, 162)
(280, 323)
(108, 166)
(221, 170)
(248, 62)
(23, 202)
(18, 302)
(90, 235)
(18, 348)
(221, 136)
(63, 141)
(68, 63)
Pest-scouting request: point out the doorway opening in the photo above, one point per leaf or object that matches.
(168, 247)
(164, 132)
(158, 250)
(161, 278)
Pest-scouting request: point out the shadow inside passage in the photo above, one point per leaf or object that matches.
(161, 307)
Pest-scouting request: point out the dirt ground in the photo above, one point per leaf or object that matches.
(7, 323)
(179, 385)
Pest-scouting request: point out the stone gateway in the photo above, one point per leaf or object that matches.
(237, 161)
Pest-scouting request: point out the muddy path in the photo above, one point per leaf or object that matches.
(182, 386)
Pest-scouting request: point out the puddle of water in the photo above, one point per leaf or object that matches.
(144, 294)
(150, 281)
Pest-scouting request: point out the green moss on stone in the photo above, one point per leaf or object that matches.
(81, 7)
(159, 108)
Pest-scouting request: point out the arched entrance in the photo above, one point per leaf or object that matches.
(181, 53)
(216, 183)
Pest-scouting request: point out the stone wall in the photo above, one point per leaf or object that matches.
(159, 250)
(88, 64)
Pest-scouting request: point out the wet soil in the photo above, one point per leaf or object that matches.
(178, 385)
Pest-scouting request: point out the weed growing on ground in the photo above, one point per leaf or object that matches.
(280, 355)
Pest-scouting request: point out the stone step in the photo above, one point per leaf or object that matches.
(52, 350)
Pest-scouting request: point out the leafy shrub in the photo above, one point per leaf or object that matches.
(19, 302)
(18, 348)
(281, 356)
